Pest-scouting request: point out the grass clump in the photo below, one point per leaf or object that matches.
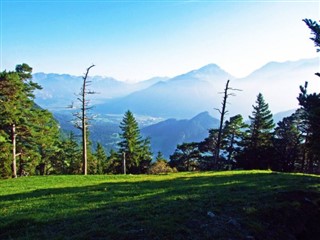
(244, 204)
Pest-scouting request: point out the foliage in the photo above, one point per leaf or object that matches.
(29, 131)
(310, 108)
(137, 150)
(287, 144)
(161, 166)
(245, 204)
(315, 28)
(208, 151)
(233, 136)
(258, 145)
(114, 163)
(186, 157)
(101, 158)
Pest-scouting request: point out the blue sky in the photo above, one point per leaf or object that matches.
(136, 40)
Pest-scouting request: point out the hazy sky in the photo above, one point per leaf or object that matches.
(136, 40)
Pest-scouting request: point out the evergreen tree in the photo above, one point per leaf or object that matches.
(101, 159)
(137, 150)
(287, 144)
(261, 124)
(207, 151)
(233, 136)
(159, 156)
(185, 157)
(114, 163)
(257, 152)
(315, 30)
(310, 107)
(68, 159)
(17, 115)
(46, 139)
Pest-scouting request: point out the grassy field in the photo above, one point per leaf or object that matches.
(209, 205)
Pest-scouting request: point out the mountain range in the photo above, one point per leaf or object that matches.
(185, 95)
(162, 105)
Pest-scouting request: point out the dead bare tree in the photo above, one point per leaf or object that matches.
(222, 112)
(83, 118)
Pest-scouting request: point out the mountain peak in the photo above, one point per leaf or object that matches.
(211, 69)
(202, 115)
(205, 118)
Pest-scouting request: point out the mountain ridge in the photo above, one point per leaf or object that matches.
(187, 94)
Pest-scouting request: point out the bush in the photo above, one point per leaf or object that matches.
(161, 167)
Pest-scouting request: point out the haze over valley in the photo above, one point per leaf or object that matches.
(160, 104)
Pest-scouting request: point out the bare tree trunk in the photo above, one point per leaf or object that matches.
(222, 114)
(84, 128)
(14, 155)
(84, 119)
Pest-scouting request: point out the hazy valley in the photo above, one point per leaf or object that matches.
(168, 109)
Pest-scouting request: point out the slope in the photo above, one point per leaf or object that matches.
(221, 205)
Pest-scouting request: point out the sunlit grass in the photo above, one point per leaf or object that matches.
(174, 206)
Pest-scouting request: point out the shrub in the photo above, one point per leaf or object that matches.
(161, 167)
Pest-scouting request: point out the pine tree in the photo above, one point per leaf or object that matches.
(68, 158)
(233, 135)
(114, 163)
(287, 144)
(137, 150)
(17, 110)
(315, 28)
(261, 124)
(185, 157)
(259, 142)
(310, 107)
(207, 151)
(101, 159)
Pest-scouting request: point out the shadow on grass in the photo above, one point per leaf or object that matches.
(241, 205)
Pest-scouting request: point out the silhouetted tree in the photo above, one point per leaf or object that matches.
(315, 30)
(222, 112)
(185, 157)
(234, 134)
(310, 107)
(288, 143)
(257, 152)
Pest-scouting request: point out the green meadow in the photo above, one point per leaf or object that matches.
(206, 205)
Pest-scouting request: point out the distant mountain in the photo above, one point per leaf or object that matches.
(181, 97)
(166, 135)
(279, 116)
(59, 90)
(279, 83)
(196, 91)
(186, 95)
